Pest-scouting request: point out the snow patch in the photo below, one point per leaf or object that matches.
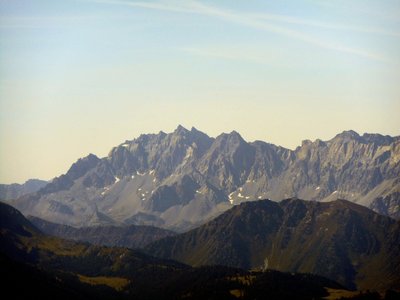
(151, 172)
(139, 189)
(106, 189)
(143, 195)
(230, 197)
(198, 192)
(154, 180)
(189, 153)
(259, 197)
(140, 174)
(125, 145)
(334, 192)
(116, 179)
(240, 195)
(317, 188)
(241, 189)
(247, 197)
(133, 176)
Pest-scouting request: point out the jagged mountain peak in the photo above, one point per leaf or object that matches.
(235, 135)
(144, 138)
(366, 138)
(81, 166)
(347, 135)
(193, 138)
(377, 138)
(78, 169)
(231, 139)
(181, 130)
(306, 143)
(197, 133)
(309, 143)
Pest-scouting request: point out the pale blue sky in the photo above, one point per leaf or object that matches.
(80, 76)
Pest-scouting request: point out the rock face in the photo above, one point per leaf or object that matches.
(15, 190)
(340, 240)
(182, 179)
(131, 236)
(388, 205)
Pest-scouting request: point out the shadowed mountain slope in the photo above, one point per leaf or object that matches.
(340, 240)
(40, 266)
(130, 236)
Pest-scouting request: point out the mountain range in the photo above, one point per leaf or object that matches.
(185, 178)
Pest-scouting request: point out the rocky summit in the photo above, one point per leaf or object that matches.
(182, 179)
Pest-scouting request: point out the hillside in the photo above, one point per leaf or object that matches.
(340, 240)
(130, 236)
(40, 266)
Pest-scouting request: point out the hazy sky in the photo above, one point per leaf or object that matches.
(82, 76)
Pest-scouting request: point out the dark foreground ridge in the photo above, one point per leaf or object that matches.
(39, 266)
(339, 240)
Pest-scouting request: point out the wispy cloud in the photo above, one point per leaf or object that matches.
(324, 25)
(373, 9)
(195, 7)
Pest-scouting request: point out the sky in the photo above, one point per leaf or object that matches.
(82, 76)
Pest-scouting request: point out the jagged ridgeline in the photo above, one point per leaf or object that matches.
(182, 179)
